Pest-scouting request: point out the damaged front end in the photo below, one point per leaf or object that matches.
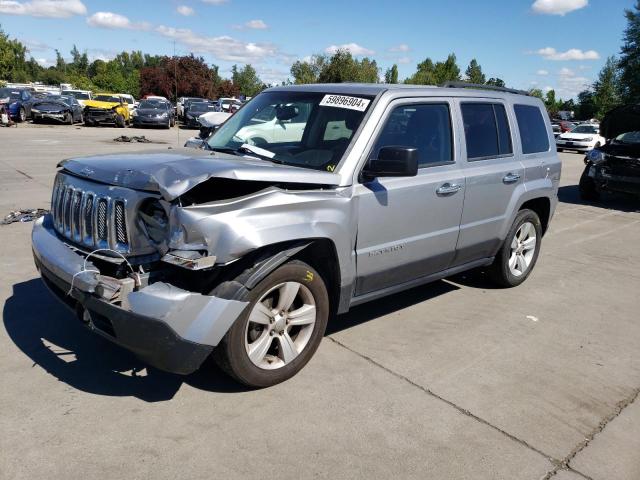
(137, 253)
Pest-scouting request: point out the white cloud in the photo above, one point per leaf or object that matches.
(403, 47)
(570, 84)
(215, 2)
(185, 10)
(354, 48)
(542, 72)
(45, 62)
(550, 53)
(44, 8)
(223, 48)
(252, 24)
(558, 7)
(404, 60)
(36, 45)
(256, 24)
(115, 20)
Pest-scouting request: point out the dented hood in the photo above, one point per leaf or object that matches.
(173, 174)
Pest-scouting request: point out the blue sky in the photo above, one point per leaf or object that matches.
(561, 44)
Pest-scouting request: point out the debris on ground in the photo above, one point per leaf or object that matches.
(27, 215)
(133, 139)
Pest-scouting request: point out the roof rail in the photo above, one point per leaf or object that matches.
(483, 87)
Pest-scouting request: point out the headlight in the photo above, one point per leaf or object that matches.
(154, 220)
(596, 156)
(588, 139)
(134, 113)
(33, 110)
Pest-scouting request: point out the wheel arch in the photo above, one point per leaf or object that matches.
(542, 207)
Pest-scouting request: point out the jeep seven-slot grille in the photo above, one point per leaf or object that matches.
(89, 219)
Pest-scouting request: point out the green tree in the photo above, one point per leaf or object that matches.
(308, 71)
(606, 89)
(342, 67)
(391, 75)
(474, 73)
(498, 82)
(247, 80)
(536, 92)
(552, 104)
(12, 58)
(586, 107)
(630, 56)
(429, 73)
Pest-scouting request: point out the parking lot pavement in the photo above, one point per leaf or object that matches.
(452, 380)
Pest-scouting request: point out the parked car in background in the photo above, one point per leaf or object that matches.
(183, 102)
(80, 95)
(59, 108)
(229, 104)
(244, 252)
(155, 97)
(615, 165)
(131, 102)
(581, 138)
(106, 108)
(156, 113)
(195, 109)
(566, 126)
(18, 101)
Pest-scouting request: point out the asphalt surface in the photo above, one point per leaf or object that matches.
(454, 380)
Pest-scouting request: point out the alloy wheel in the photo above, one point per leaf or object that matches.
(523, 248)
(280, 325)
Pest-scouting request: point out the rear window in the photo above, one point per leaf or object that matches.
(486, 130)
(533, 132)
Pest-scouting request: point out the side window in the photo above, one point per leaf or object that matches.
(486, 130)
(426, 127)
(533, 132)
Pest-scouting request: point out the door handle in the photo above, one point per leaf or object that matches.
(511, 177)
(448, 189)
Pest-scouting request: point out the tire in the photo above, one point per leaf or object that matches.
(269, 365)
(22, 115)
(89, 123)
(504, 270)
(587, 186)
(560, 150)
(68, 118)
(120, 121)
(168, 125)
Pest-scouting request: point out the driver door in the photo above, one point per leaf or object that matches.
(408, 227)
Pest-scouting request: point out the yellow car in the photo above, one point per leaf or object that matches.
(106, 108)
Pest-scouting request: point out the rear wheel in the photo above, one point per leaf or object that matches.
(587, 186)
(519, 252)
(280, 330)
(560, 150)
(22, 115)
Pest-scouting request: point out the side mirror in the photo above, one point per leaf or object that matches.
(393, 162)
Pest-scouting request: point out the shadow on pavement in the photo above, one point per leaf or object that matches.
(50, 335)
(571, 194)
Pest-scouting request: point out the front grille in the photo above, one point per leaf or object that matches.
(89, 219)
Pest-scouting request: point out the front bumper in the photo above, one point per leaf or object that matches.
(573, 145)
(167, 327)
(96, 116)
(150, 121)
(612, 182)
(60, 117)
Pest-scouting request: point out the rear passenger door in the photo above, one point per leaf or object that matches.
(493, 173)
(408, 226)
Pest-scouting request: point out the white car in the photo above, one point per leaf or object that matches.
(80, 95)
(131, 102)
(583, 138)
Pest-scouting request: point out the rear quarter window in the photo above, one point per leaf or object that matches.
(533, 132)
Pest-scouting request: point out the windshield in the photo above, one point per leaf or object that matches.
(153, 104)
(629, 137)
(9, 93)
(77, 95)
(202, 107)
(107, 98)
(585, 129)
(56, 98)
(303, 129)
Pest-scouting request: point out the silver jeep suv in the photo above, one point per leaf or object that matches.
(308, 201)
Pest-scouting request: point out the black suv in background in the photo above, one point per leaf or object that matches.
(615, 166)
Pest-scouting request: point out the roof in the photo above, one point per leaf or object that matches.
(373, 89)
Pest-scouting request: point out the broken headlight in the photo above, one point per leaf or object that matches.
(595, 157)
(154, 219)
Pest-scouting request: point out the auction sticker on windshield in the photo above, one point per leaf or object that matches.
(342, 101)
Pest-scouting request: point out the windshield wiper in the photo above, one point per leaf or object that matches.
(261, 153)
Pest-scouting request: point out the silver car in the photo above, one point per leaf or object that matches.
(245, 248)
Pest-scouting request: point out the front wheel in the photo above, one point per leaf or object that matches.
(519, 252)
(120, 121)
(22, 115)
(587, 186)
(280, 330)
